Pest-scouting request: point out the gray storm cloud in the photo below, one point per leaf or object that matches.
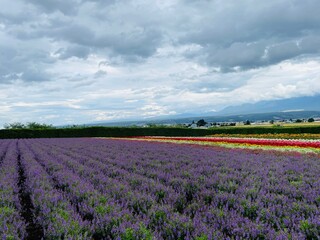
(192, 49)
(232, 35)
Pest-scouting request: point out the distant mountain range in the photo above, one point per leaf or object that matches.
(284, 105)
(292, 108)
(229, 118)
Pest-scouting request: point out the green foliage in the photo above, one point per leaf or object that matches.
(63, 214)
(157, 218)
(128, 235)
(311, 120)
(103, 209)
(176, 229)
(6, 211)
(252, 193)
(160, 195)
(66, 229)
(103, 200)
(311, 231)
(249, 210)
(180, 204)
(34, 125)
(29, 125)
(160, 216)
(208, 199)
(190, 190)
(15, 125)
(141, 205)
(304, 225)
(201, 123)
(145, 233)
(142, 234)
(202, 237)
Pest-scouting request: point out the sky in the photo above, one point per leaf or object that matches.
(83, 61)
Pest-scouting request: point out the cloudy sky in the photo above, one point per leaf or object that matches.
(80, 61)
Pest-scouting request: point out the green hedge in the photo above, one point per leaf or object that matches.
(152, 131)
(102, 132)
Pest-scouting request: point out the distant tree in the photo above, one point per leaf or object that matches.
(35, 126)
(15, 125)
(29, 125)
(298, 121)
(152, 125)
(271, 121)
(78, 126)
(311, 120)
(247, 122)
(201, 123)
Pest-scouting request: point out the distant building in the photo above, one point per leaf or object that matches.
(193, 125)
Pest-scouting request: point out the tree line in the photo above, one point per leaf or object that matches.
(29, 125)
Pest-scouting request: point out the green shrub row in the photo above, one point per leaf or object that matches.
(151, 131)
(101, 132)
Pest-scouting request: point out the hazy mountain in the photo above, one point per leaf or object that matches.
(292, 104)
(293, 108)
(229, 118)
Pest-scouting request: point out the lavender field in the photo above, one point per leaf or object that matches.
(122, 189)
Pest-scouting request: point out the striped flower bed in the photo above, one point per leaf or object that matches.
(301, 145)
(273, 136)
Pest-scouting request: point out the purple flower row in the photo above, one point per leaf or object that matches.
(12, 225)
(51, 209)
(107, 218)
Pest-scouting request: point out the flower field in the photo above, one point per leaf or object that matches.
(273, 136)
(90, 188)
(299, 145)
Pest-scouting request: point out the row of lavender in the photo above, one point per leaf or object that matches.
(12, 225)
(118, 189)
